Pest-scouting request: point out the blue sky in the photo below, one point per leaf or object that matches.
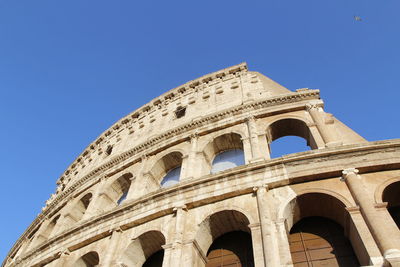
(70, 69)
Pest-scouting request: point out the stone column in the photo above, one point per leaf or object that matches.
(112, 248)
(177, 245)
(95, 207)
(136, 187)
(167, 256)
(271, 251)
(253, 138)
(190, 165)
(284, 248)
(192, 255)
(384, 231)
(361, 239)
(132, 188)
(256, 239)
(327, 133)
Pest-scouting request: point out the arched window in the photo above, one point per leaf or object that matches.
(167, 170)
(90, 259)
(145, 250)
(294, 136)
(224, 152)
(391, 195)
(119, 189)
(172, 177)
(287, 145)
(227, 160)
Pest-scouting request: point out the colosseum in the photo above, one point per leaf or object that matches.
(188, 180)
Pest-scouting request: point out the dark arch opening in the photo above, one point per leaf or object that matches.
(291, 133)
(155, 260)
(145, 250)
(391, 195)
(90, 259)
(231, 249)
(318, 241)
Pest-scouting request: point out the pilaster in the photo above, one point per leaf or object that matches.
(268, 231)
(327, 131)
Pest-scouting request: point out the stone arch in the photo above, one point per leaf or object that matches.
(163, 166)
(290, 126)
(47, 233)
(291, 212)
(227, 146)
(90, 259)
(219, 223)
(115, 192)
(142, 248)
(379, 190)
(79, 209)
(391, 195)
(319, 213)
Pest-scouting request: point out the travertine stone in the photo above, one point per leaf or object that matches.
(110, 209)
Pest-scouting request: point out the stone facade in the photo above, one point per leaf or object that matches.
(111, 210)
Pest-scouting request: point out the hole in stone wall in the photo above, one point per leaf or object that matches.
(109, 150)
(180, 112)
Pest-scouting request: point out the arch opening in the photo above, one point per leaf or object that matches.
(217, 233)
(50, 228)
(80, 208)
(118, 190)
(291, 133)
(145, 250)
(317, 236)
(391, 195)
(224, 152)
(171, 178)
(318, 241)
(167, 170)
(90, 259)
(231, 249)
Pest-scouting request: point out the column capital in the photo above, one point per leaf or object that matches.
(179, 207)
(117, 229)
(347, 172)
(102, 178)
(144, 157)
(263, 186)
(250, 118)
(64, 252)
(194, 135)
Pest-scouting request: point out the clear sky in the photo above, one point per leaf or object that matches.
(70, 69)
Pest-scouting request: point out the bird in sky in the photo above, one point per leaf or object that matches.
(357, 18)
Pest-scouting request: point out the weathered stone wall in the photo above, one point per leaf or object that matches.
(342, 177)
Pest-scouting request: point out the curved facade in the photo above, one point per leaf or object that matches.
(188, 180)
